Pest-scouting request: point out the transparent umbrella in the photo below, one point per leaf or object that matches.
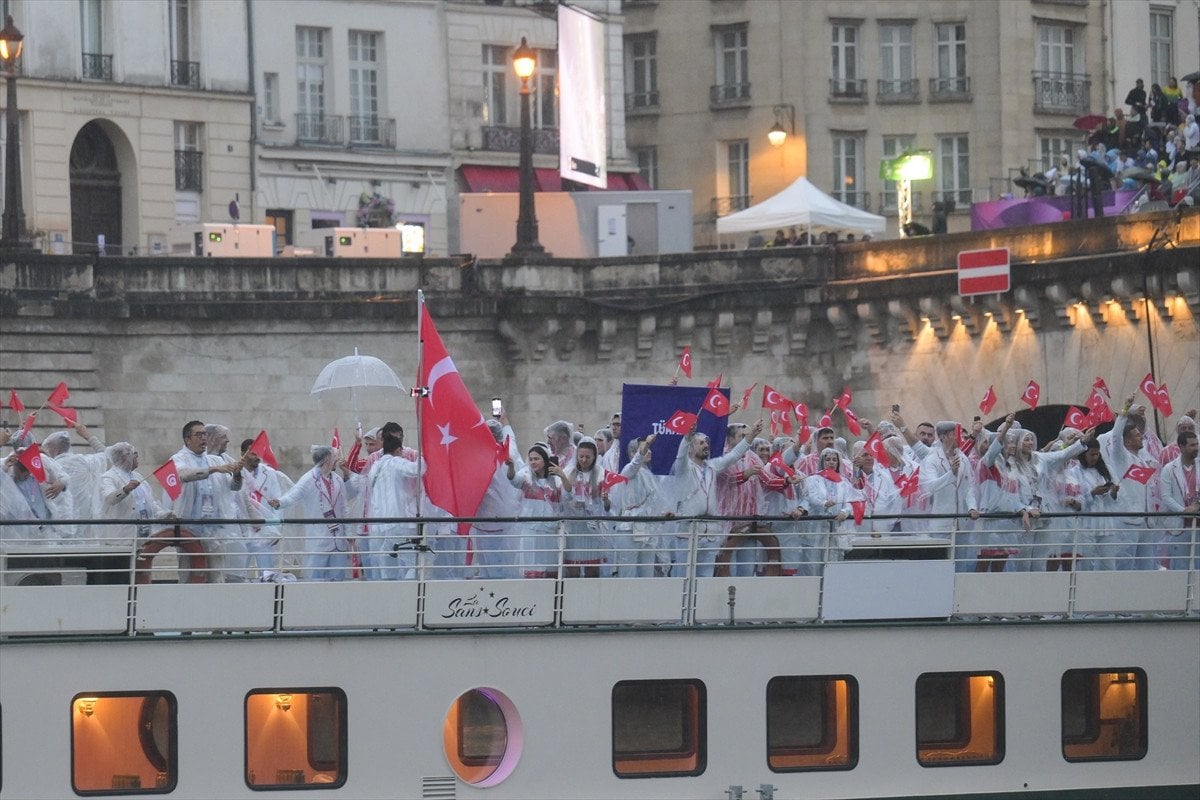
(355, 376)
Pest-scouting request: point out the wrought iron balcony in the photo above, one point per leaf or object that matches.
(319, 129)
(727, 205)
(185, 74)
(848, 90)
(641, 102)
(950, 90)
(189, 170)
(97, 66)
(1061, 93)
(851, 197)
(729, 95)
(372, 132)
(898, 91)
(501, 138)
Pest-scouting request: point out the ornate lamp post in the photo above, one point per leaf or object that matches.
(524, 63)
(14, 236)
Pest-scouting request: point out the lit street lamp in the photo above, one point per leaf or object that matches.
(14, 237)
(909, 166)
(524, 63)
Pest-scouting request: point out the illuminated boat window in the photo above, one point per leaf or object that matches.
(812, 723)
(658, 728)
(1103, 714)
(295, 738)
(124, 743)
(960, 718)
(482, 736)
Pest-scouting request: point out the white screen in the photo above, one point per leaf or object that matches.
(582, 117)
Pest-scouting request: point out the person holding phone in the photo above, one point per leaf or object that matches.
(543, 486)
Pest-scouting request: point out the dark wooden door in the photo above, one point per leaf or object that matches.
(95, 192)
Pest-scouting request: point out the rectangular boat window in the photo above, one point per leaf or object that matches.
(658, 728)
(295, 738)
(123, 743)
(960, 718)
(812, 723)
(1103, 714)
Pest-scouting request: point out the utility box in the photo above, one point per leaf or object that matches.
(363, 243)
(227, 240)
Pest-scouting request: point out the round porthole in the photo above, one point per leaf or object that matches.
(482, 737)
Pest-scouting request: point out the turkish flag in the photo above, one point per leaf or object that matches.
(168, 476)
(610, 480)
(1032, 394)
(28, 425)
(1102, 386)
(831, 475)
(261, 447)
(746, 397)
(960, 439)
(1147, 386)
(774, 423)
(874, 446)
(859, 507)
(336, 441)
(715, 382)
(777, 461)
(805, 434)
(685, 362)
(58, 396)
(14, 402)
(852, 422)
(1162, 400)
(681, 422)
(801, 413)
(826, 420)
(456, 442)
(1140, 474)
(908, 484)
(69, 415)
(1098, 405)
(502, 450)
(844, 399)
(773, 399)
(989, 400)
(1076, 418)
(31, 458)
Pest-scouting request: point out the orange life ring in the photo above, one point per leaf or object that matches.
(182, 538)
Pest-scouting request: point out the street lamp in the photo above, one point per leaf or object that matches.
(909, 166)
(13, 237)
(524, 63)
(778, 133)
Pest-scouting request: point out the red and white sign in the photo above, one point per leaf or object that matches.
(983, 272)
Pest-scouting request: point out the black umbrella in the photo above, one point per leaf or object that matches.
(1192, 77)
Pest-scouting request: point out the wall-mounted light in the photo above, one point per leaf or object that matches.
(283, 702)
(779, 133)
(86, 706)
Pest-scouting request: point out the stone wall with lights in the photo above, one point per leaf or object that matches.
(146, 344)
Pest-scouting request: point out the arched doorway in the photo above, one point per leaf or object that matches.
(95, 191)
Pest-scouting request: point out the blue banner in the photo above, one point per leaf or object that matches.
(645, 409)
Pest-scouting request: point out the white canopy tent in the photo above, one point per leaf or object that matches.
(804, 206)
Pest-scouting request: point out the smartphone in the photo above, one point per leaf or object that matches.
(554, 460)
(895, 408)
(497, 408)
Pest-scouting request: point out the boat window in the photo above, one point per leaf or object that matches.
(123, 743)
(960, 718)
(812, 723)
(296, 737)
(658, 728)
(1103, 714)
(482, 736)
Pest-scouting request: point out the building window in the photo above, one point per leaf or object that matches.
(270, 98)
(1060, 84)
(893, 146)
(482, 736)
(295, 737)
(1161, 45)
(495, 84)
(732, 47)
(185, 71)
(896, 55)
(189, 157)
(364, 88)
(1056, 49)
(641, 71)
(960, 718)
(545, 90)
(658, 728)
(97, 65)
(311, 124)
(647, 162)
(848, 169)
(951, 74)
(1053, 145)
(124, 743)
(844, 80)
(1103, 714)
(733, 177)
(812, 723)
(954, 156)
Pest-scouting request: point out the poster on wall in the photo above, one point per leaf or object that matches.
(583, 144)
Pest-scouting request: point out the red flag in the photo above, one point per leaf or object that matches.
(826, 420)
(774, 423)
(964, 444)
(1031, 395)
(831, 475)
(716, 402)
(69, 415)
(1164, 400)
(612, 479)
(746, 397)
(261, 447)
(28, 425)
(859, 507)
(58, 396)
(681, 422)
(844, 399)
(908, 484)
(874, 446)
(1099, 408)
(168, 476)
(801, 413)
(14, 402)
(685, 362)
(852, 421)
(456, 442)
(1102, 386)
(715, 382)
(1076, 418)
(1147, 386)
(785, 421)
(31, 458)
(989, 400)
(502, 450)
(777, 461)
(1140, 474)
(805, 434)
(336, 442)
(773, 399)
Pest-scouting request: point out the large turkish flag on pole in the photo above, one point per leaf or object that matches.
(456, 443)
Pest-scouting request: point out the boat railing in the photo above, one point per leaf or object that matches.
(432, 572)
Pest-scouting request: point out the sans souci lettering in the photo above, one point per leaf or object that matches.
(486, 605)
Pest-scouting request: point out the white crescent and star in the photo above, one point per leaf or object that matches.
(773, 397)
(439, 370)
